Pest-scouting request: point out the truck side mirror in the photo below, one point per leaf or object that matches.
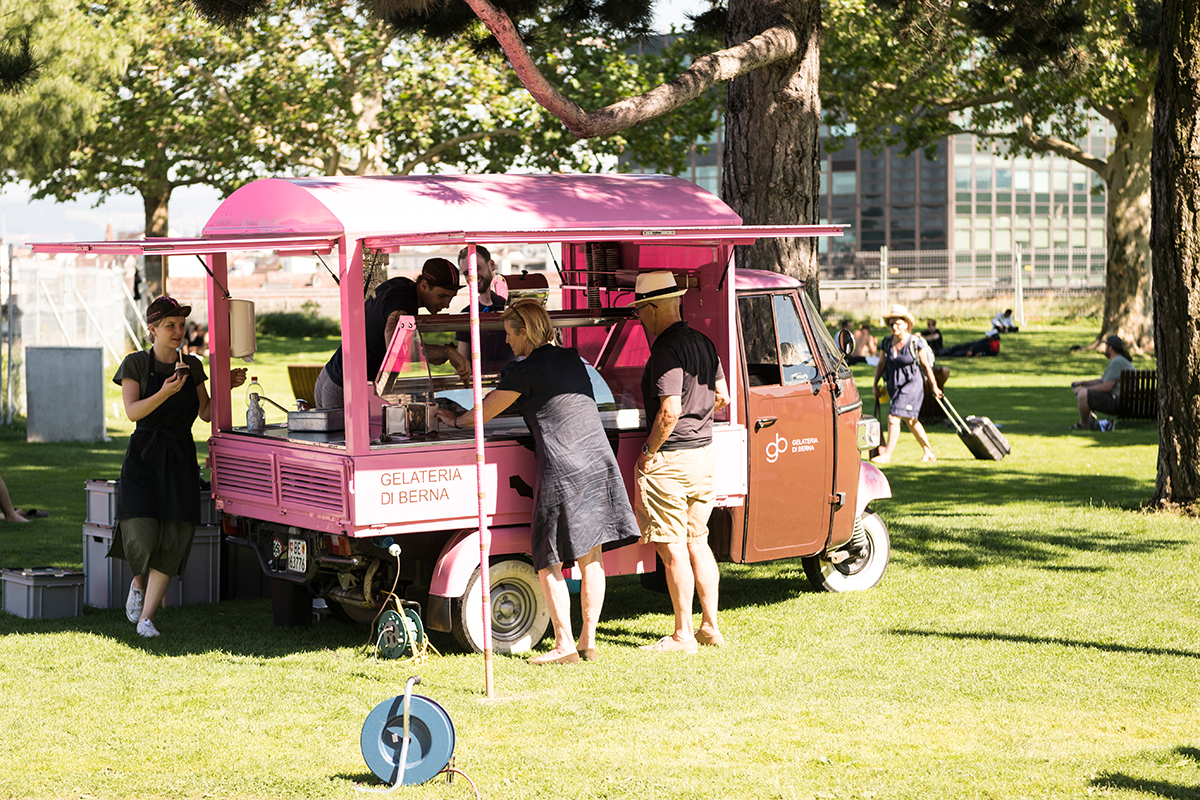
(845, 342)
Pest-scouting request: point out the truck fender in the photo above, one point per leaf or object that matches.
(872, 485)
(460, 557)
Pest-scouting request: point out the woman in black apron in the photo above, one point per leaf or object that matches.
(158, 497)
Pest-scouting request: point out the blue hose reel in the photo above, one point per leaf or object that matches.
(408, 739)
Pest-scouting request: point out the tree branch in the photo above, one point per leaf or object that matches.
(1027, 136)
(773, 44)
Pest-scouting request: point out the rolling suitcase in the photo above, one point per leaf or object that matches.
(979, 434)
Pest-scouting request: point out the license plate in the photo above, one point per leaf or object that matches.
(297, 555)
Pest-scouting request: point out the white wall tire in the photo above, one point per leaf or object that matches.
(856, 573)
(520, 616)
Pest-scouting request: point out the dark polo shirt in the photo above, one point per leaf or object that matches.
(397, 294)
(683, 362)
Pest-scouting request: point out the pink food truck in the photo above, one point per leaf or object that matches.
(379, 501)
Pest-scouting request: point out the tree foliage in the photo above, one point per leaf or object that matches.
(1030, 74)
(52, 58)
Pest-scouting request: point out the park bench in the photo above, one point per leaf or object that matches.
(1139, 394)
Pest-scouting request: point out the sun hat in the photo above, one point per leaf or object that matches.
(900, 312)
(441, 274)
(656, 285)
(165, 307)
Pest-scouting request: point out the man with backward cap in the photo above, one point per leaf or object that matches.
(433, 289)
(682, 386)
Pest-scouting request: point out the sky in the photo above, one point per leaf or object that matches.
(25, 220)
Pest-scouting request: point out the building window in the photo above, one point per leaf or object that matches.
(962, 178)
(844, 183)
(1003, 178)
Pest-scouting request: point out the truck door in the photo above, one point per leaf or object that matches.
(789, 425)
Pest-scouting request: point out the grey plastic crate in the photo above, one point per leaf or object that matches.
(102, 504)
(107, 581)
(43, 592)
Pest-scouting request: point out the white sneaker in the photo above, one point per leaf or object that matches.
(146, 628)
(134, 603)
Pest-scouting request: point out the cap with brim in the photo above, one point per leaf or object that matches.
(441, 274)
(656, 286)
(165, 307)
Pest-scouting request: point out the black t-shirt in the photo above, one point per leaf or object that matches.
(397, 294)
(683, 362)
(494, 351)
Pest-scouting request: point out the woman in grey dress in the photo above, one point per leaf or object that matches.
(580, 506)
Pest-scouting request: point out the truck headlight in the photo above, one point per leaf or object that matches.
(868, 433)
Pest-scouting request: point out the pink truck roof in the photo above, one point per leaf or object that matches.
(362, 206)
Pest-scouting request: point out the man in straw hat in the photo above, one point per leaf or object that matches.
(903, 356)
(683, 385)
(1102, 395)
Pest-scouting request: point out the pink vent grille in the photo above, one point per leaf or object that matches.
(312, 487)
(244, 476)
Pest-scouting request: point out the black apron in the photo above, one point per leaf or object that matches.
(160, 478)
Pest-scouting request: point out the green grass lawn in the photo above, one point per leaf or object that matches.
(1036, 635)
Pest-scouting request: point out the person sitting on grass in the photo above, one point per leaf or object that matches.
(1104, 394)
(10, 514)
(1003, 321)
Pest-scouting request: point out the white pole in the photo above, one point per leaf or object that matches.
(8, 387)
(485, 534)
(883, 280)
(1019, 279)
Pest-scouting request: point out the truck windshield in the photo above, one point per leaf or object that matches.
(825, 342)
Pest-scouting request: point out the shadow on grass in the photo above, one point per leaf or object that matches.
(1155, 788)
(234, 629)
(1115, 780)
(1106, 647)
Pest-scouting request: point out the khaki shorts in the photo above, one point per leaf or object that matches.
(674, 496)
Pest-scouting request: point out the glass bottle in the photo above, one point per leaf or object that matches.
(256, 417)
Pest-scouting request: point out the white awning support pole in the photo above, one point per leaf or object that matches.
(485, 535)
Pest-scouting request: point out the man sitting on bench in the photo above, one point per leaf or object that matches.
(1102, 395)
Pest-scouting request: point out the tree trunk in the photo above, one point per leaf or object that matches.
(772, 121)
(1176, 237)
(1127, 293)
(155, 201)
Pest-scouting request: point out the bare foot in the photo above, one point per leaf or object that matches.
(16, 517)
(882, 458)
(929, 456)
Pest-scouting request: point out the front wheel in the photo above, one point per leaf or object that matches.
(866, 559)
(520, 615)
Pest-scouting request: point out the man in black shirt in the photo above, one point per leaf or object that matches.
(494, 351)
(682, 386)
(433, 289)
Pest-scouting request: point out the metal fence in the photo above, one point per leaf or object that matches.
(50, 303)
(1040, 269)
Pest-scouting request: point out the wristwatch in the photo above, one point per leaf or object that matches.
(646, 449)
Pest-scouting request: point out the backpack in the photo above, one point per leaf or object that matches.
(916, 343)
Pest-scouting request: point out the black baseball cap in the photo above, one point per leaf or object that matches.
(166, 307)
(441, 274)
